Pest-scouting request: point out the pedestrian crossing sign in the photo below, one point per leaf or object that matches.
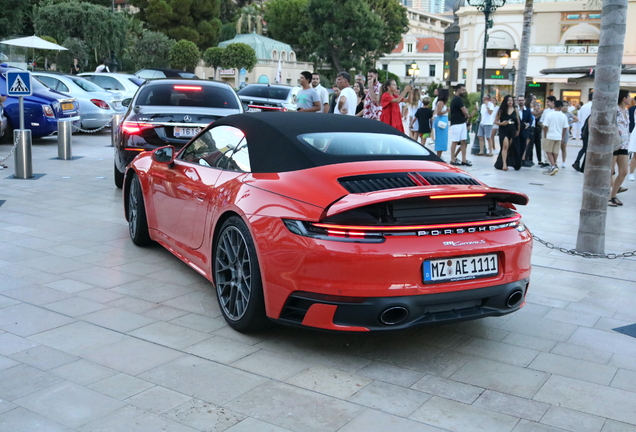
(19, 83)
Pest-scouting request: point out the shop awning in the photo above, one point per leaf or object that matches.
(559, 78)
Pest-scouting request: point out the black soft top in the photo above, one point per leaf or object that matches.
(274, 146)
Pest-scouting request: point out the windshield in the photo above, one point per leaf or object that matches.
(265, 92)
(86, 85)
(360, 143)
(192, 95)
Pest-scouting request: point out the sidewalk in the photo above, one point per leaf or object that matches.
(99, 335)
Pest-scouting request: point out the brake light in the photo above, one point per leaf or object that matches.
(475, 195)
(187, 87)
(100, 103)
(48, 111)
(134, 128)
(350, 228)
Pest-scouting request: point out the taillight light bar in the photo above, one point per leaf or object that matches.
(415, 227)
(187, 87)
(135, 128)
(468, 195)
(283, 109)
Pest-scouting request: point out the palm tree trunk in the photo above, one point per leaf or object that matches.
(602, 126)
(525, 49)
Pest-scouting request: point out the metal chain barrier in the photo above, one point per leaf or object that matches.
(93, 130)
(584, 254)
(15, 146)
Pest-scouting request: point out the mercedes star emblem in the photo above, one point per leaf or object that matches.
(187, 119)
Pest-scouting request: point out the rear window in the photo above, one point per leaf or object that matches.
(363, 144)
(265, 92)
(86, 85)
(190, 94)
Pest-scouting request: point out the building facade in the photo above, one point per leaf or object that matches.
(270, 54)
(422, 44)
(564, 35)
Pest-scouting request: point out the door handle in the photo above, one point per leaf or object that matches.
(200, 196)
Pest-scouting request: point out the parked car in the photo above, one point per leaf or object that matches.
(41, 110)
(332, 222)
(125, 84)
(96, 105)
(269, 97)
(156, 73)
(170, 112)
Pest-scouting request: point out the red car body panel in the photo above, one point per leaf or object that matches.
(185, 203)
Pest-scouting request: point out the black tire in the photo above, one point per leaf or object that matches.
(236, 271)
(137, 221)
(119, 177)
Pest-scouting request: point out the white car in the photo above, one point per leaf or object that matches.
(125, 84)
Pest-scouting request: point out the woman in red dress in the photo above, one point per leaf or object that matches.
(391, 99)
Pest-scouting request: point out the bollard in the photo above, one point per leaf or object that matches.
(23, 160)
(114, 129)
(64, 134)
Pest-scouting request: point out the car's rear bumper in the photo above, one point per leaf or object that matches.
(393, 313)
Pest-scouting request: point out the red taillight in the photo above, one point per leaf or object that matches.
(100, 103)
(339, 229)
(48, 111)
(474, 195)
(134, 128)
(187, 87)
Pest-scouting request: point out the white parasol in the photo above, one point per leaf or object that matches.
(34, 43)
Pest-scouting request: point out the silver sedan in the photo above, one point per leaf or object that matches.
(125, 84)
(96, 105)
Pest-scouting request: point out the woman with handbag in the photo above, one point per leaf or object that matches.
(621, 156)
(441, 123)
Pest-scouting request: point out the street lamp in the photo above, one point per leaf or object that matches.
(488, 7)
(414, 71)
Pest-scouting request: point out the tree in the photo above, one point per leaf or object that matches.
(194, 20)
(151, 50)
(602, 126)
(396, 22)
(287, 21)
(228, 31)
(251, 17)
(184, 55)
(239, 55)
(76, 49)
(102, 31)
(213, 57)
(525, 49)
(15, 22)
(344, 32)
(227, 11)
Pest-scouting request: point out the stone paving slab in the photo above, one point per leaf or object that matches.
(99, 335)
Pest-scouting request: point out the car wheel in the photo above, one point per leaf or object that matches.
(237, 277)
(137, 221)
(119, 178)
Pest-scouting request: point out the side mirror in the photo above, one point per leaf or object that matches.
(126, 102)
(164, 155)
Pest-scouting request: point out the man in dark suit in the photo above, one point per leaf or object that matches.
(525, 113)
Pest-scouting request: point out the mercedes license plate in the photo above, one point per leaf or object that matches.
(68, 106)
(457, 269)
(184, 132)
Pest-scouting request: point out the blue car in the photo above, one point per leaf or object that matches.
(41, 110)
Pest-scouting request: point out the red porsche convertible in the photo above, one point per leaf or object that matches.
(331, 222)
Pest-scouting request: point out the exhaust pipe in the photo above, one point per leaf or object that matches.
(394, 315)
(514, 299)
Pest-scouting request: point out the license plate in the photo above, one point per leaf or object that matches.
(254, 110)
(457, 269)
(68, 106)
(181, 132)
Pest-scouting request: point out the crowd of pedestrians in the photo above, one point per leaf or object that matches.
(525, 129)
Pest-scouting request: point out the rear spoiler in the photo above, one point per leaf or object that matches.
(352, 201)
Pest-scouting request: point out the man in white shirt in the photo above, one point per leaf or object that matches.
(485, 126)
(323, 94)
(584, 114)
(555, 127)
(102, 67)
(347, 101)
